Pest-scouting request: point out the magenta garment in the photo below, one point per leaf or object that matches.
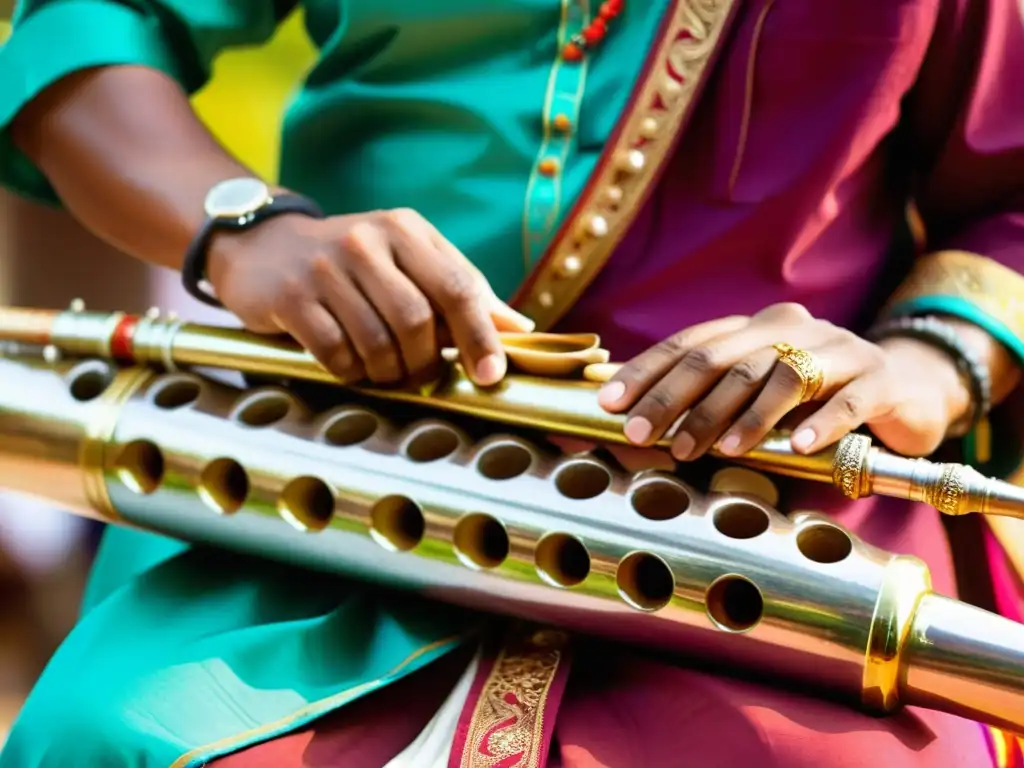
(789, 186)
(804, 205)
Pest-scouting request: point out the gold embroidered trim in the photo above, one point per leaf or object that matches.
(633, 163)
(996, 290)
(508, 721)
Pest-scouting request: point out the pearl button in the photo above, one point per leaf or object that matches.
(546, 299)
(632, 161)
(649, 128)
(671, 89)
(613, 194)
(570, 265)
(597, 226)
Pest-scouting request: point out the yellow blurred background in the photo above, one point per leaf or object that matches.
(243, 104)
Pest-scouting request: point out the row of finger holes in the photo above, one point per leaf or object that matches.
(580, 480)
(658, 499)
(224, 485)
(644, 580)
(307, 503)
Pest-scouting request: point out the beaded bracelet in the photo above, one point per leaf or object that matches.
(942, 336)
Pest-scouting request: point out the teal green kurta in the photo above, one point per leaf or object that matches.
(440, 106)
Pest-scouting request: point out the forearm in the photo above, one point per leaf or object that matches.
(128, 157)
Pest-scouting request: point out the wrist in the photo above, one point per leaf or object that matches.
(240, 207)
(925, 360)
(229, 246)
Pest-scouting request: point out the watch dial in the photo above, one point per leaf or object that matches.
(236, 198)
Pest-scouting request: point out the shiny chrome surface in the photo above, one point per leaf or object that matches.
(501, 525)
(553, 387)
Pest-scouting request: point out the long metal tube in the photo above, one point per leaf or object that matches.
(502, 526)
(565, 403)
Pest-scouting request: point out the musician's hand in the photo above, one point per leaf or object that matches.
(366, 294)
(725, 374)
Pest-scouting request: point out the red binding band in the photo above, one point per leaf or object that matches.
(121, 340)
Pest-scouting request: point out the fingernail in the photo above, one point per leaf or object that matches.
(527, 323)
(611, 393)
(804, 439)
(637, 430)
(683, 446)
(516, 316)
(490, 370)
(729, 444)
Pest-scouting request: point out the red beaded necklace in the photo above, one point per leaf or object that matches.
(594, 32)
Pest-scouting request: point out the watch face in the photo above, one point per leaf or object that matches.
(236, 198)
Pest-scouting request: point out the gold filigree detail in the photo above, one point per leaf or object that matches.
(849, 464)
(507, 727)
(663, 100)
(948, 492)
(806, 366)
(995, 289)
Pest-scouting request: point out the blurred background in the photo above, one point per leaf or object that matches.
(46, 260)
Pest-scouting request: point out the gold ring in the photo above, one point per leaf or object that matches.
(806, 365)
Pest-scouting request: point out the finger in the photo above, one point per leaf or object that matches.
(406, 311)
(639, 374)
(864, 399)
(840, 364)
(366, 330)
(504, 316)
(695, 373)
(507, 319)
(312, 326)
(454, 285)
(710, 417)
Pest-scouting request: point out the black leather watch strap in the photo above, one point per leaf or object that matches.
(193, 269)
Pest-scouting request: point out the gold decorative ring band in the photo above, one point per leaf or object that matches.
(806, 365)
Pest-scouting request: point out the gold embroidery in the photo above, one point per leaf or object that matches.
(631, 163)
(996, 290)
(508, 721)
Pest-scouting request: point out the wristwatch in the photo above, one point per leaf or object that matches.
(237, 205)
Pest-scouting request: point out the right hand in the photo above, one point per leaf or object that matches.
(369, 295)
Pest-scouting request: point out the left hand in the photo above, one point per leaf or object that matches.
(725, 374)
